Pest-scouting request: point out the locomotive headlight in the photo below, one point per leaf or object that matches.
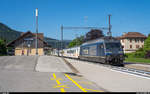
(120, 51)
(121, 57)
(109, 52)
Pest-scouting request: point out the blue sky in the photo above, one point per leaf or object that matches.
(127, 15)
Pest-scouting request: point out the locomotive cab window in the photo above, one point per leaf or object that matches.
(113, 48)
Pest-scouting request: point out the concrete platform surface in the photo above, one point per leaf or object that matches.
(18, 63)
(18, 74)
(52, 64)
(111, 80)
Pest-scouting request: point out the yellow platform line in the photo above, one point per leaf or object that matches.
(59, 84)
(75, 83)
(94, 90)
(79, 86)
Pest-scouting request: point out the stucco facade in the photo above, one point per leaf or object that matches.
(26, 51)
(132, 41)
(132, 44)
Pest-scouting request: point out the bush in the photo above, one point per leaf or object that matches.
(139, 55)
(129, 55)
(147, 55)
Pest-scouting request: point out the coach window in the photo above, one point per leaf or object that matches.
(85, 51)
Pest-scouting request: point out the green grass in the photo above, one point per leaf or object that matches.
(137, 60)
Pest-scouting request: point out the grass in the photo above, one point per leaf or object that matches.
(137, 60)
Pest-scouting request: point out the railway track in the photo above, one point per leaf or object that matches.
(132, 71)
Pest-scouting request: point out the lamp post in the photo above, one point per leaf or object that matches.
(110, 34)
(36, 44)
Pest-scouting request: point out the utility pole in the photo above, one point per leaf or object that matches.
(36, 44)
(62, 37)
(109, 26)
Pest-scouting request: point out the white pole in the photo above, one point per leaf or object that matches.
(36, 31)
(36, 12)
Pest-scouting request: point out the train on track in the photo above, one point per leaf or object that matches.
(103, 50)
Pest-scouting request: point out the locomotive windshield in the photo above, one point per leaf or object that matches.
(114, 47)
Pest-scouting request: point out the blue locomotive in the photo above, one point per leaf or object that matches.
(105, 50)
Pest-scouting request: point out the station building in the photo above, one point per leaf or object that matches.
(26, 44)
(132, 41)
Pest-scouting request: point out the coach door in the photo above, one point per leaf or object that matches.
(101, 50)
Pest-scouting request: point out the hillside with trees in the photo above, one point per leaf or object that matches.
(3, 49)
(7, 34)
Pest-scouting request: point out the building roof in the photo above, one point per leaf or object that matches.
(40, 37)
(132, 35)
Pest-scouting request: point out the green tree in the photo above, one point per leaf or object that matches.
(3, 49)
(76, 42)
(147, 47)
(94, 34)
(147, 44)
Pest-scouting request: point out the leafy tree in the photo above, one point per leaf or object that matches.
(147, 47)
(94, 34)
(76, 42)
(147, 44)
(3, 50)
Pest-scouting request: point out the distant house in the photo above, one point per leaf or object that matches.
(26, 44)
(132, 41)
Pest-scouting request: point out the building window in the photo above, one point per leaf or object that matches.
(138, 40)
(123, 40)
(135, 40)
(130, 40)
(130, 46)
(142, 40)
(137, 46)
